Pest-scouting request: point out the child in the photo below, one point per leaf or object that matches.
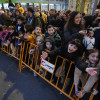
(32, 39)
(35, 50)
(39, 41)
(48, 46)
(35, 33)
(91, 59)
(28, 31)
(20, 24)
(72, 51)
(89, 40)
(11, 37)
(19, 29)
(4, 34)
(27, 39)
(0, 29)
(72, 48)
(53, 34)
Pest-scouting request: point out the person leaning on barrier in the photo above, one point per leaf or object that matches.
(72, 51)
(68, 50)
(91, 59)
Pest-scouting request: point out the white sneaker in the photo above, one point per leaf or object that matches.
(34, 74)
(95, 92)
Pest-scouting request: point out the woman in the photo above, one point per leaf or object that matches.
(73, 28)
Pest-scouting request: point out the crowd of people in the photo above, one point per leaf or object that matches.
(71, 34)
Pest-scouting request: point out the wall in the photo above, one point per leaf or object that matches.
(72, 5)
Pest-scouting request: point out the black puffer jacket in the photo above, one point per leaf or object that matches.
(63, 51)
(97, 39)
(74, 34)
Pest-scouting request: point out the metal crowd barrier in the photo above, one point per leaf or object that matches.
(11, 49)
(34, 63)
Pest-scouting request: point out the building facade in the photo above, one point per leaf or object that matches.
(84, 6)
(44, 4)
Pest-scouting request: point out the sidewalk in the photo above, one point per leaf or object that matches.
(23, 86)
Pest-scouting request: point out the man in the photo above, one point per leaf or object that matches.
(30, 12)
(52, 17)
(43, 18)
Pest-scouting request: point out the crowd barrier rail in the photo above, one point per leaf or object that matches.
(34, 63)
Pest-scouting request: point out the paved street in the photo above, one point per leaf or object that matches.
(23, 86)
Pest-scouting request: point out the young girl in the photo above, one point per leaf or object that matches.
(48, 46)
(71, 51)
(89, 40)
(91, 59)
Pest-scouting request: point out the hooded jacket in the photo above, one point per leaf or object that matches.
(55, 37)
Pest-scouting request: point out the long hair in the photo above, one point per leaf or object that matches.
(89, 20)
(71, 21)
(86, 55)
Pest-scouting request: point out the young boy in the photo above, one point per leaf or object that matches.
(20, 24)
(19, 28)
(35, 33)
(53, 35)
(11, 37)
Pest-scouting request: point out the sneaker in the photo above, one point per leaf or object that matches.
(95, 92)
(34, 74)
